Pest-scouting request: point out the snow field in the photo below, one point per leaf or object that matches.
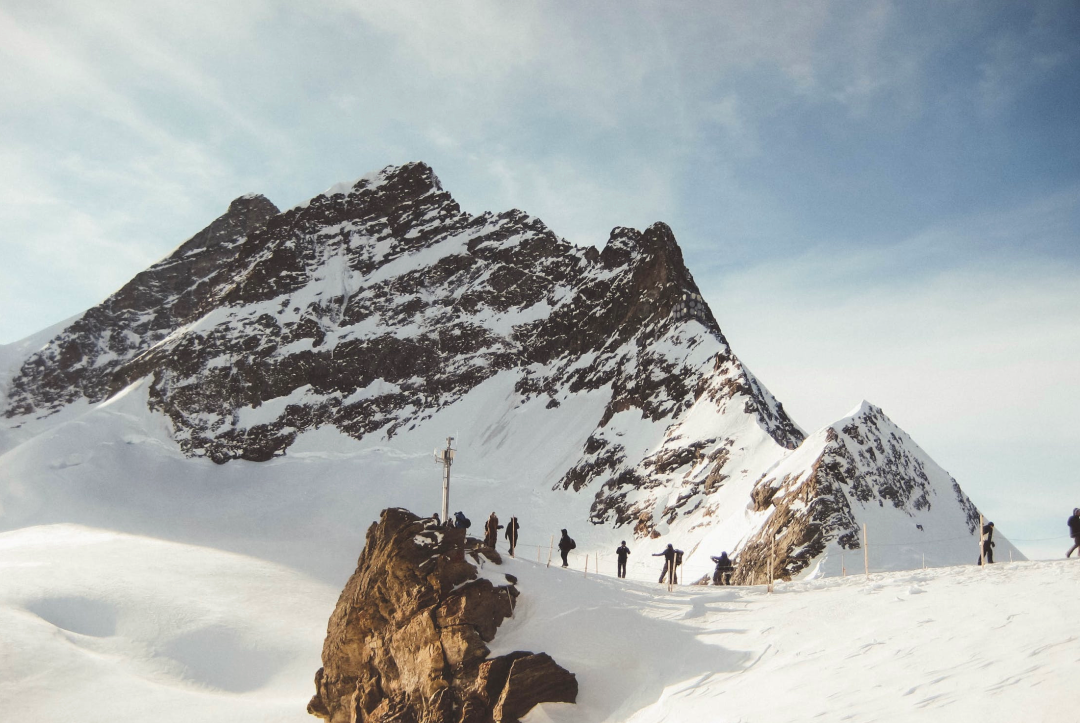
(948, 644)
(101, 626)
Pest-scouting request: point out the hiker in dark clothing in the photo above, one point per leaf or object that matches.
(987, 544)
(566, 544)
(1074, 531)
(491, 531)
(459, 520)
(622, 552)
(671, 559)
(512, 534)
(724, 568)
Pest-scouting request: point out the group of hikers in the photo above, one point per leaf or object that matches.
(672, 558)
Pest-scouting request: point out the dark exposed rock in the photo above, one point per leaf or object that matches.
(534, 679)
(407, 640)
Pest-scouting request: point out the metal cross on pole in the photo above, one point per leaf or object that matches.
(445, 457)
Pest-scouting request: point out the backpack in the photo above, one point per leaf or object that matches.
(678, 557)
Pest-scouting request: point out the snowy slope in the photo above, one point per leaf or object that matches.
(951, 644)
(99, 626)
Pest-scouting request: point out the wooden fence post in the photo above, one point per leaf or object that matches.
(551, 549)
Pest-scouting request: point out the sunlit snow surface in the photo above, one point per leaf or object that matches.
(139, 584)
(100, 626)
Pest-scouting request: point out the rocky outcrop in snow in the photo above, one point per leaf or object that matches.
(407, 640)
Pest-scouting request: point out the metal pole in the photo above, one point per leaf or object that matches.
(447, 461)
(586, 565)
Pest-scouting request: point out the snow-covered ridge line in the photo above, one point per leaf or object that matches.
(380, 312)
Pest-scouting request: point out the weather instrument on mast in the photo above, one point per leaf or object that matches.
(445, 457)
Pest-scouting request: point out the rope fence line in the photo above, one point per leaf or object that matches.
(648, 570)
(601, 563)
(968, 537)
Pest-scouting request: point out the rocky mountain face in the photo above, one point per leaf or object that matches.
(380, 304)
(407, 639)
(371, 309)
(88, 357)
(863, 460)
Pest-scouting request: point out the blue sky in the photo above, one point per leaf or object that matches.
(880, 200)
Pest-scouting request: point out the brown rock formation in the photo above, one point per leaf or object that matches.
(407, 640)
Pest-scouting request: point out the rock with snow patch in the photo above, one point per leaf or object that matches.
(407, 640)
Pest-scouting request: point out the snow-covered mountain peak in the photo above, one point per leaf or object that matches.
(864, 408)
(413, 179)
(383, 314)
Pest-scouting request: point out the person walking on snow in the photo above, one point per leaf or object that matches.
(491, 531)
(1074, 531)
(566, 544)
(512, 534)
(670, 554)
(987, 544)
(724, 568)
(622, 552)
